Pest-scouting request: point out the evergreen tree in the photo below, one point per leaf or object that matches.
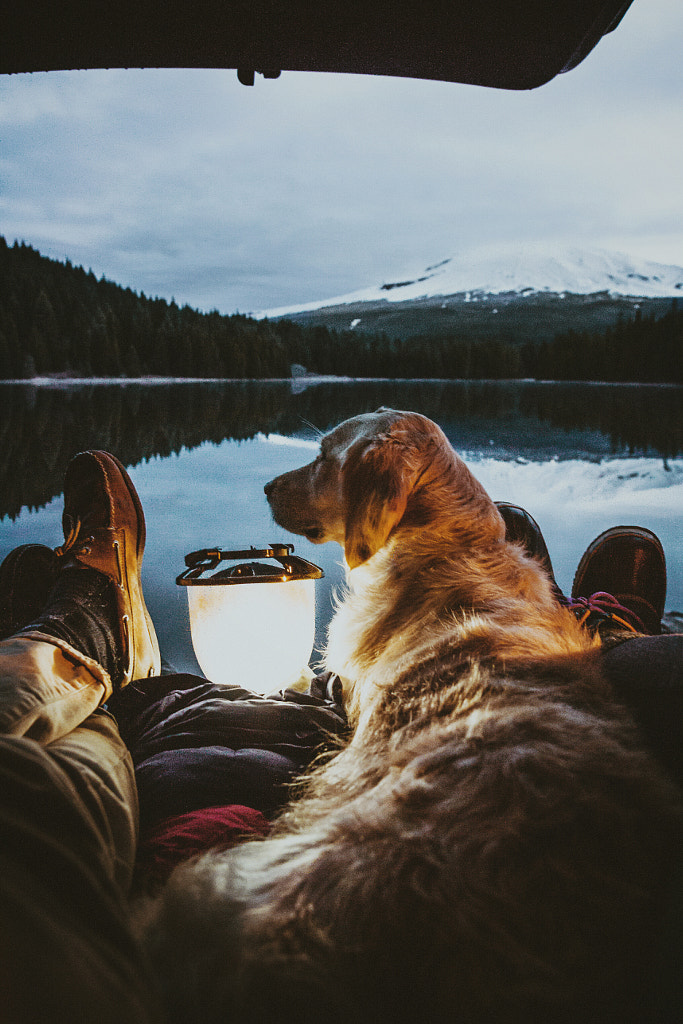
(57, 318)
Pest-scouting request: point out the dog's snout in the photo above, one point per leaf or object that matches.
(268, 488)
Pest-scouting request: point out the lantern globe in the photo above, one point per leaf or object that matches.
(252, 624)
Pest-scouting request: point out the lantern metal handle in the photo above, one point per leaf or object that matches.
(207, 559)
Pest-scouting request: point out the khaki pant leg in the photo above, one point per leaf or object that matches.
(47, 689)
(68, 830)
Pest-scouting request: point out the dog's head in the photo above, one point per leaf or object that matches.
(359, 487)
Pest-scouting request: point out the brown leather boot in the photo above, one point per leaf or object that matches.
(626, 562)
(97, 605)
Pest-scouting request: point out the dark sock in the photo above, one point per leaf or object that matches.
(82, 611)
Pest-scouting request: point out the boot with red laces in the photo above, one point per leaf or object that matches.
(622, 578)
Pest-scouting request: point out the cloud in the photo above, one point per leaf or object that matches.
(184, 183)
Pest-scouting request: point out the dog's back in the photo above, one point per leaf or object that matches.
(493, 844)
(504, 855)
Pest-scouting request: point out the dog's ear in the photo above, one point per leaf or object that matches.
(376, 485)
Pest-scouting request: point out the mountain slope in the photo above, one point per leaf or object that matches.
(523, 271)
(516, 294)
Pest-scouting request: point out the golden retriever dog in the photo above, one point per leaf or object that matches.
(492, 843)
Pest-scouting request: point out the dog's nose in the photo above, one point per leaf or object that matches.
(268, 487)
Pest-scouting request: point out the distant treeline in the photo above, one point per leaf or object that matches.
(59, 319)
(640, 349)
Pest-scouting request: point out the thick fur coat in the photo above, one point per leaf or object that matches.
(492, 844)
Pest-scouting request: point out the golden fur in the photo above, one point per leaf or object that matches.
(491, 844)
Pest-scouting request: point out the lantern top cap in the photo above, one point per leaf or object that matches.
(205, 561)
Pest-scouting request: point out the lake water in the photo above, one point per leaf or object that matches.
(580, 458)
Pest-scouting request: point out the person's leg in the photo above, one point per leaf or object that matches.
(68, 828)
(619, 590)
(47, 690)
(68, 810)
(647, 674)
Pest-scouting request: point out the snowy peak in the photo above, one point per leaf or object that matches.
(523, 271)
(528, 271)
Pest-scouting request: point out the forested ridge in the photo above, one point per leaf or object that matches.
(56, 318)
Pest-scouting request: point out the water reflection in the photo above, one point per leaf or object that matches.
(199, 461)
(42, 427)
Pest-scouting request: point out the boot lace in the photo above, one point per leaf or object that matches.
(71, 540)
(602, 607)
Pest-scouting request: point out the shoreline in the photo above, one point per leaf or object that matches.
(298, 383)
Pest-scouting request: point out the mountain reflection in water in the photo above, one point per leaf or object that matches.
(43, 427)
(580, 457)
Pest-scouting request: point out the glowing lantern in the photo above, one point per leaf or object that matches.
(252, 624)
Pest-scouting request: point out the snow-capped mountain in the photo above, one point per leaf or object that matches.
(522, 271)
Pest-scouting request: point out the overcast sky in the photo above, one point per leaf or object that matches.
(187, 184)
